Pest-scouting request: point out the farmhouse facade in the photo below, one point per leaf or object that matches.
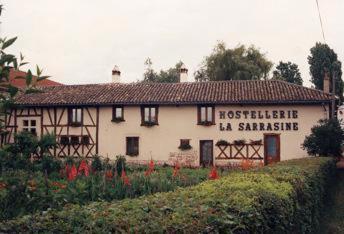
(190, 122)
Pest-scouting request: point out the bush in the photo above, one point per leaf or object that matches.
(326, 139)
(286, 197)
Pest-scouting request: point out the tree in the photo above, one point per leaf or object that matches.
(170, 75)
(288, 72)
(240, 63)
(326, 139)
(323, 59)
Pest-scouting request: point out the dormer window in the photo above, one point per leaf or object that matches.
(75, 116)
(206, 115)
(117, 114)
(149, 115)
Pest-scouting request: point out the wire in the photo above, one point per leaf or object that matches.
(321, 23)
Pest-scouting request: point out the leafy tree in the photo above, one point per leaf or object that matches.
(326, 139)
(288, 72)
(170, 75)
(323, 59)
(239, 63)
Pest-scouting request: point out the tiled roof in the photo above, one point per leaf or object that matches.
(20, 83)
(217, 92)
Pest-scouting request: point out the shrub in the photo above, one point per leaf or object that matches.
(286, 197)
(120, 164)
(96, 164)
(326, 139)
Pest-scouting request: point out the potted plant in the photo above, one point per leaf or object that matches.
(222, 143)
(239, 142)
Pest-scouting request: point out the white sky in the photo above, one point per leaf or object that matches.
(79, 41)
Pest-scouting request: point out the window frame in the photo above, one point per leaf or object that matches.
(70, 116)
(149, 122)
(131, 152)
(29, 127)
(207, 122)
(114, 117)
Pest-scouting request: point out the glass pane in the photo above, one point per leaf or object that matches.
(118, 112)
(33, 131)
(203, 114)
(210, 114)
(207, 152)
(25, 129)
(78, 115)
(25, 123)
(271, 146)
(153, 115)
(33, 123)
(73, 115)
(146, 117)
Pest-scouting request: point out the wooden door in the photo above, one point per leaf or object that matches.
(271, 148)
(206, 153)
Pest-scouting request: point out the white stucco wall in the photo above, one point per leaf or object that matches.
(180, 122)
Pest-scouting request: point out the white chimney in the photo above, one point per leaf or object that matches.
(116, 75)
(183, 74)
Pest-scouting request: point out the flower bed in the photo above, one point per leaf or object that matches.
(286, 197)
(22, 192)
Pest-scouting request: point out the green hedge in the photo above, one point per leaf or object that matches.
(286, 197)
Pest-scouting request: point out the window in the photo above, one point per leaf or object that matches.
(132, 146)
(117, 114)
(149, 115)
(30, 126)
(75, 116)
(64, 140)
(206, 115)
(185, 144)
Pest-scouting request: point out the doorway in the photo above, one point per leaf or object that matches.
(271, 148)
(206, 153)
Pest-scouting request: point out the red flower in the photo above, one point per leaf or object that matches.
(213, 174)
(150, 169)
(125, 178)
(84, 168)
(176, 169)
(108, 175)
(72, 173)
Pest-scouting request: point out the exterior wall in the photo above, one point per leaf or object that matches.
(161, 142)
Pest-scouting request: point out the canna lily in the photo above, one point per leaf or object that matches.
(125, 178)
(72, 173)
(150, 169)
(84, 168)
(176, 169)
(213, 174)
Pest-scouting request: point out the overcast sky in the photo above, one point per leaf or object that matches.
(79, 41)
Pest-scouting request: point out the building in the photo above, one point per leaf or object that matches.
(192, 122)
(20, 83)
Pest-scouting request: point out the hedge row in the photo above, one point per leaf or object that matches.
(286, 197)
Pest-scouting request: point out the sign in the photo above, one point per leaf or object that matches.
(266, 120)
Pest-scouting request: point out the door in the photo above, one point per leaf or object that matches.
(206, 153)
(271, 148)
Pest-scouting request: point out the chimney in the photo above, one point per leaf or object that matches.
(326, 83)
(183, 74)
(116, 75)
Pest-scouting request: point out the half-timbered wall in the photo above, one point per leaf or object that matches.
(54, 120)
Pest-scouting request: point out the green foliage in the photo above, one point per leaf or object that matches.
(284, 198)
(96, 164)
(323, 59)
(326, 139)
(240, 63)
(288, 72)
(46, 143)
(170, 75)
(120, 164)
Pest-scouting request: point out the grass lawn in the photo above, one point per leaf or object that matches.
(333, 221)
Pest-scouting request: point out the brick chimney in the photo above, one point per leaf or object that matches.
(116, 75)
(326, 83)
(183, 74)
